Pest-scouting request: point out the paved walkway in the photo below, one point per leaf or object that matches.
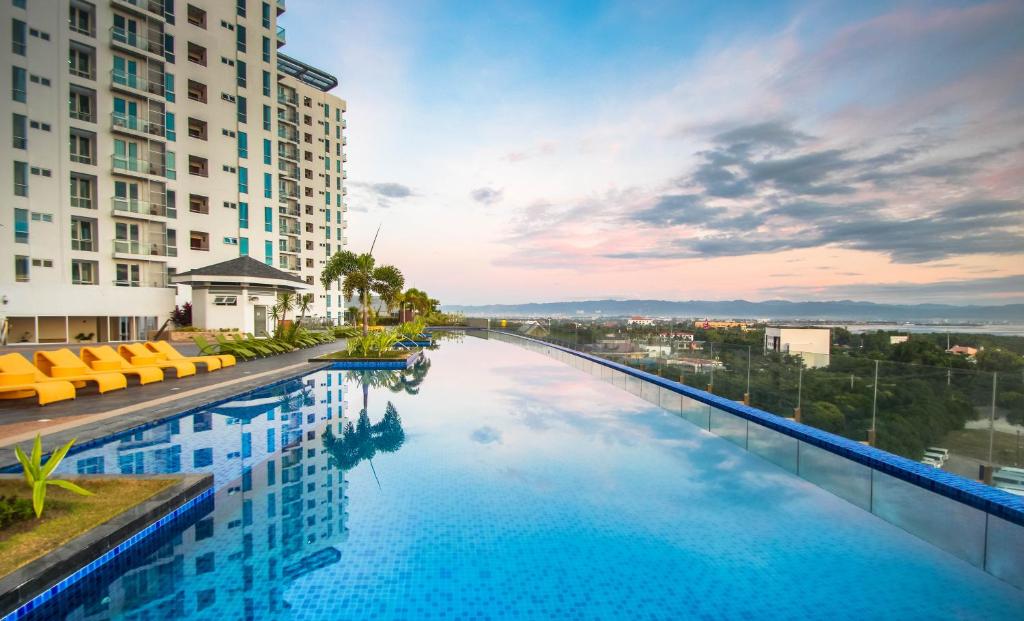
(92, 415)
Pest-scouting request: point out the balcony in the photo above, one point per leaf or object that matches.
(280, 6)
(133, 42)
(146, 8)
(289, 211)
(131, 83)
(290, 248)
(87, 73)
(287, 133)
(288, 170)
(286, 98)
(288, 152)
(281, 40)
(289, 227)
(144, 251)
(286, 192)
(82, 115)
(288, 116)
(135, 125)
(141, 167)
(127, 208)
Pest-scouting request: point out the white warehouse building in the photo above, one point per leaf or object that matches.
(811, 344)
(147, 138)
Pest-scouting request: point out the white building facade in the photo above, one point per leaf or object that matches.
(146, 138)
(812, 344)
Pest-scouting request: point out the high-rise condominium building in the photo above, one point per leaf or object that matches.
(144, 138)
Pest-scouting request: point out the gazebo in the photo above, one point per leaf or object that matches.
(238, 294)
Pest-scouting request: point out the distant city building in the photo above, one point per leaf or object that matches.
(811, 344)
(640, 321)
(899, 338)
(963, 350)
(670, 334)
(657, 351)
(532, 328)
(708, 325)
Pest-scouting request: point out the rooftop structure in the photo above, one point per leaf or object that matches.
(811, 344)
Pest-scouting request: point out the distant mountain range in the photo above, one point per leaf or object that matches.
(837, 310)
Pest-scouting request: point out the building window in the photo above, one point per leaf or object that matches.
(81, 192)
(197, 17)
(19, 131)
(127, 275)
(240, 8)
(268, 219)
(83, 236)
(197, 240)
(225, 300)
(242, 110)
(81, 147)
(196, 53)
(266, 118)
(243, 145)
(243, 180)
(243, 246)
(231, 241)
(20, 226)
(18, 40)
(266, 84)
(80, 61)
(268, 253)
(18, 84)
(197, 129)
(80, 105)
(198, 204)
(267, 154)
(268, 185)
(20, 179)
(266, 49)
(84, 272)
(241, 77)
(21, 268)
(198, 166)
(243, 215)
(197, 91)
(240, 38)
(80, 20)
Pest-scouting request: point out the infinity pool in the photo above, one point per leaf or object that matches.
(492, 482)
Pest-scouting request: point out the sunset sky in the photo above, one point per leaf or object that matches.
(547, 151)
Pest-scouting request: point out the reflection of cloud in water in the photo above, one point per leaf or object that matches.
(486, 435)
(529, 479)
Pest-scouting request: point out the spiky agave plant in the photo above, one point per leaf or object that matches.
(37, 474)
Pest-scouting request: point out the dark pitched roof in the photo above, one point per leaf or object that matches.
(243, 267)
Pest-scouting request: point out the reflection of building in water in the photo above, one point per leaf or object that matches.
(278, 502)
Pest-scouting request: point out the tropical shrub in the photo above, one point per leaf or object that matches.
(182, 315)
(373, 343)
(37, 474)
(344, 332)
(14, 510)
(412, 329)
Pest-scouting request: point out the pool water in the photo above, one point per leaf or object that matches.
(492, 482)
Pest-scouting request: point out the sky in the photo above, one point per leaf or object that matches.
(548, 151)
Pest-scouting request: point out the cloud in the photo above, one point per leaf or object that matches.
(486, 435)
(997, 290)
(391, 189)
(487, 196)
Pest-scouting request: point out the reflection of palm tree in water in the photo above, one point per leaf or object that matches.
(365, 439)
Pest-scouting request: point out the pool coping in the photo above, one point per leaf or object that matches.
(389, 364)
(974, 494)
(40, 580)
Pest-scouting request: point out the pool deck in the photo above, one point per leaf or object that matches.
(92, 415)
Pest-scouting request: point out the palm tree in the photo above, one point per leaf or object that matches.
(418, 300)
(360, 274)
(303, 302)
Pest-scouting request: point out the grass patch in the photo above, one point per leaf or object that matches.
(388, 355)
(68, 515)
(973, 443)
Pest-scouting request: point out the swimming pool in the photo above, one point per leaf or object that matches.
(494, 482)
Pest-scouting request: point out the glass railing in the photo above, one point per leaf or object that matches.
(957, 418)
(285, 97)
(152, 6)
(288, 116)
(79, 115)
(288, 211)
(288, 170)
(288, 153)
(135, 40)
(155, 249)
(287, 134)
(120, 204)
(135, 82)
(281, 40)
(82, 202)
(134, 123)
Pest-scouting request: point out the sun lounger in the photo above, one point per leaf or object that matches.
(24, 385)
(64, 365)
(137, 354)
(212, 361)
(104, 358)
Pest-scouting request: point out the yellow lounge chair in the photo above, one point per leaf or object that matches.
(62, 364)
(104, 358)
(138, 355)
(165, 348)
(16, 363)
(23, 385)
